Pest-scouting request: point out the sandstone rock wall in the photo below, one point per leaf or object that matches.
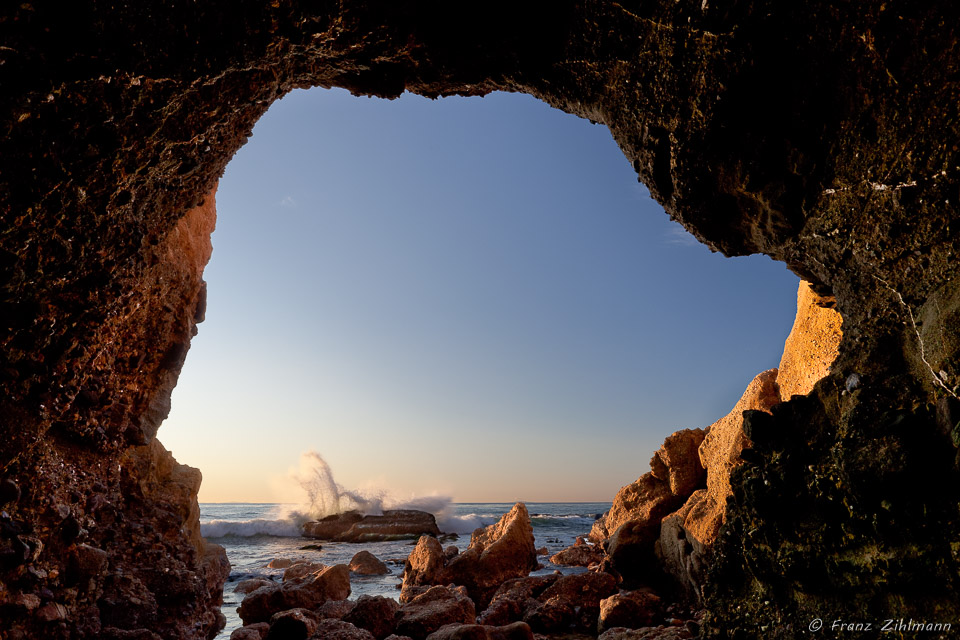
(821, 134)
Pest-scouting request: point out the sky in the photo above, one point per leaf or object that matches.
(468, 297)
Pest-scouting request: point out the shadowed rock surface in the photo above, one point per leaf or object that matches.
(354, 527)
(821, 134)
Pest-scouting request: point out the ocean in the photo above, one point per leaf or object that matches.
(255, 534)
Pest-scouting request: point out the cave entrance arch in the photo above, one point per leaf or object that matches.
(793, 129)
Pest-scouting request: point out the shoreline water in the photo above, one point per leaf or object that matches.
(255, 533)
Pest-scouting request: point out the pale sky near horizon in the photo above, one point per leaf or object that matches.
(471, 297)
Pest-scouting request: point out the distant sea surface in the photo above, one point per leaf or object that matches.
(254, 534)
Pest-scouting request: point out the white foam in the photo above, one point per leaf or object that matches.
(246, 528)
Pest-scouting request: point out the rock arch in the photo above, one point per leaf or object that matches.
(821, 135)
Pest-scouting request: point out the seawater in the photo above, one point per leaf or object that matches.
(255, 534)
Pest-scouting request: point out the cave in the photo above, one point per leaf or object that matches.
(822, 136)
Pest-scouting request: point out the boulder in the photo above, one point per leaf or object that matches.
(631, 609)
(437, 607)
(662, 632)
(580, 554)
(365, 563)
(252, 584)
(571, 601)
(514, 631)
(280, 563)
(336, 609)
(332, 629)
(376, 614)
(425, 564)
(497, 553)
(333, 583)
(302, 569)
(293, 624)
(255, 631)
(678, 463)
(813, 343)
(354, 527)
(686, 537)
(513, 598)
(648, 500)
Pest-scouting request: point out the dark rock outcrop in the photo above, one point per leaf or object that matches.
(819, 133)
(433, 609)
(351, 526)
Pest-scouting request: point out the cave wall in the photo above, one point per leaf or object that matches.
(822, 134)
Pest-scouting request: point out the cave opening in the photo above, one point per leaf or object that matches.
(393, 282)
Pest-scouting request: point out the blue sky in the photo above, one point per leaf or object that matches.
(471, 297)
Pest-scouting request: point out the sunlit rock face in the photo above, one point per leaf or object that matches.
(823, 135)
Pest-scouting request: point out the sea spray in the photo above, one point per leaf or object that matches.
(325, 497)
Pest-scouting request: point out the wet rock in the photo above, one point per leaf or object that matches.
(376, 614)
(392, 525)
(365, 563)
(433, 609)
(630, 609)
(333, 583)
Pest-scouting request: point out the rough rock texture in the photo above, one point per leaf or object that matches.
(812, 345)
(333, 583)
(300, 570)
(376, 614)
(437, 607)
(630, 609)
(675, 472)
(497, 553)
(354, 527)
(251, 631)
(822, 134)
(551, 603)
(292, 624)
(580, 554)
(515, 631)
(339, 630)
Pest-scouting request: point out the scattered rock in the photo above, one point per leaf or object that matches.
(27, 601)
(630, 609)
(433, 609)
(571, 601)
(355, 527)
(52, 611)
(251, 584)
(580, 554)
(336, 609)
(365, 563)
(339, 630)
(376, 614)
(661, 632)
(513, 598)
(280, 563)
(425, 564)
(543, 551)
(514, 631)
(255, 631)
(333, 583)
(301, 569)
(293, 624)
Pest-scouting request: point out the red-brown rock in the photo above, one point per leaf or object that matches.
(252, 584)
(353, 527)
(332, 629)
(292, 624)
(365, 563)
(513, 598)
(255, 631)
(581, 554)
(437, 607)
(333, 583)
(302, 569)
(514, 631)
(631, 609)
(376, 614)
